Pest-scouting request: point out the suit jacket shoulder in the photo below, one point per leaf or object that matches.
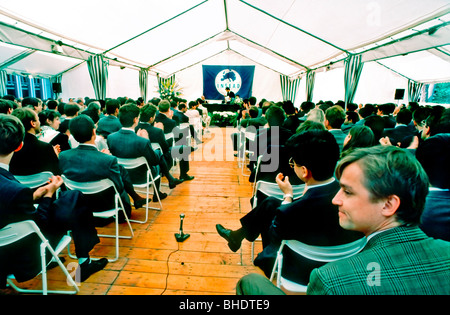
(401, 260)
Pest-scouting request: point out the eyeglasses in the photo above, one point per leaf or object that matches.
(291, 162)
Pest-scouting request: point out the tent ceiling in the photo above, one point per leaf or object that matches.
(287, 36)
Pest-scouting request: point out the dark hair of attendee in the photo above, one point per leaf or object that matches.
(361, 137)
(288, 107)
(9, 97)
(5, 106)
(81, 128)
(12, 133)
(275, 116)
(71, 109)
(111, 106)
(335, 116)
(352, 116)
(26, 115)
(434, 156)
(317, 150)
(48, 114)
(307, 106)
(404, 116)
(252, 100)
(148, 111)
(376, 124)
(127, 114)
(367, 110)
(434, 118)
(253, 111)
(420, 115)
(52, 104)
(30, 101)
(192, 104)
(351, 107)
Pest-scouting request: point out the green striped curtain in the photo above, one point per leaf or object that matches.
(98, 71)
(353, 69)
(143, 83)
(289, 88)
(414, 91)
(3, 78)
(310, 80)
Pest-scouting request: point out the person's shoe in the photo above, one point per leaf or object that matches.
(186, 177)
(161, 196)
(90, 267)
(233, 244)
(139, 203)
(175, 182)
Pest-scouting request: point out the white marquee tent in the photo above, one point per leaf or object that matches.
(322, 42)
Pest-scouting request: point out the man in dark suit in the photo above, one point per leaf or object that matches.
(125, 143)
(164, 116)
(311, 219)
(54, 218)
(156, 135)
(110, 123)
(401, 135)
(86, 163)
(36, 156)
(334, 118)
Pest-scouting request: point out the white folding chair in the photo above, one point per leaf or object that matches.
(315, 253)
(245, 136)
(272, 190)
(34, 180)
(95, 187)
(15, 232)
(135, 163)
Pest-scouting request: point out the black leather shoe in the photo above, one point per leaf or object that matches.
(186, 177)
(139, 203)
(90, 267)
(175, 182)
(161, 196)
(233, 244)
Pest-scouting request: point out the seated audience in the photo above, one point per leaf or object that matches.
(35, 156)
(292, 122)
(434, 156)
(126, 144)
(401, 135)
(156, 135)
(86, 163)
(54, 217)
(70, 111)
(33, 103)
(310, 218)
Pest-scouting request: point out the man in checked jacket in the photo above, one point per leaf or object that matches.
(382, 194)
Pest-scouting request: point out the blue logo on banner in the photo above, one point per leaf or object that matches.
(217, 78)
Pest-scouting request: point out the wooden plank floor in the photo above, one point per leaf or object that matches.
(153, 262)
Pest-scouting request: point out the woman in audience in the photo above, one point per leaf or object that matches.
(50, 121)
(358, 137)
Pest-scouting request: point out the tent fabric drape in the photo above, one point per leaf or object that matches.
(414, 91)
(169, 80)
(310, 80)
(289, 88)
(143, 83)
(98, 71)
(3, 78)
(353, 69)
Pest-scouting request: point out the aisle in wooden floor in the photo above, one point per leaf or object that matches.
(153, 262)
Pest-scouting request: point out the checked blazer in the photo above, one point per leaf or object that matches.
(399, 261)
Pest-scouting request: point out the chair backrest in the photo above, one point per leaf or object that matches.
(16, 231)
(326, 253)
(272, 189)
(93, 187)
(34, 180)
(133, 163)
(156, 146)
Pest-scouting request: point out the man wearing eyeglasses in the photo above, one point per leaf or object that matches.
(310, 218)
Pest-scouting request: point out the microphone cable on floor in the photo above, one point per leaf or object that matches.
(167, 264)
